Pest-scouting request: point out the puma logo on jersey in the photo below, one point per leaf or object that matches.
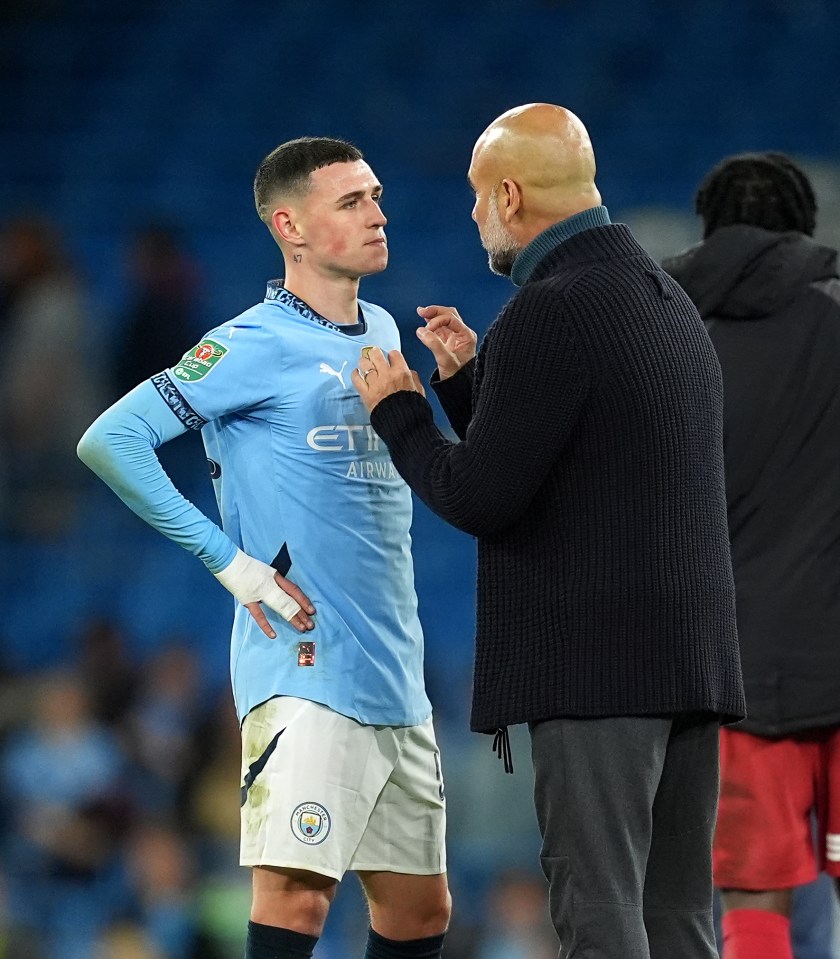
(326, 368)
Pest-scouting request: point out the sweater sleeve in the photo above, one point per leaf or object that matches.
(120, 448)
(534, 384)
(455, 395)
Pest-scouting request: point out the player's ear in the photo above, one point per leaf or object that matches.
(286, 226)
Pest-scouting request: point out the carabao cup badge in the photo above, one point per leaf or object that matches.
(196, 363)
(310, 823)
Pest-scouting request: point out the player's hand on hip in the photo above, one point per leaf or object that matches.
(278, 600)
(378, 376)
(450, 340)
(253, 582)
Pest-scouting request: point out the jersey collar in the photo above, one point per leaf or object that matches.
(277, 292)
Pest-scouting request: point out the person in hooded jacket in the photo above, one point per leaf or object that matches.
(770, 298)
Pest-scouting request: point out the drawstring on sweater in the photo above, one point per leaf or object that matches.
(501, 745)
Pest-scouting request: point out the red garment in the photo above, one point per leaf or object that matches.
(769, 789)
(756, 934)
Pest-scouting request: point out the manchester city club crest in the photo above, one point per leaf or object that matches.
(310, 823)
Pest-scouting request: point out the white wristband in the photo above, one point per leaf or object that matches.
(252, 581)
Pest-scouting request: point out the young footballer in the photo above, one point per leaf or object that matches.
(340, 768)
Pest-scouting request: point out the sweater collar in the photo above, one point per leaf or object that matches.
(542, 244)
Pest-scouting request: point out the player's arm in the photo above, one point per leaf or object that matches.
(120, 448)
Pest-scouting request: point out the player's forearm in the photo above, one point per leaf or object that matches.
(120, 448)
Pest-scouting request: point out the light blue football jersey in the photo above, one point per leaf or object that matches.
(303, 483)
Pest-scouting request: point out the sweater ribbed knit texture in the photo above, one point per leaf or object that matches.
(591, 472)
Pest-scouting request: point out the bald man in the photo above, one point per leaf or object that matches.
(590, 469)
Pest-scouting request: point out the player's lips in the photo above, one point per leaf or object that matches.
(379, 241)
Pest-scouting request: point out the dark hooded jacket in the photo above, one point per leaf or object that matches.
(771, 304)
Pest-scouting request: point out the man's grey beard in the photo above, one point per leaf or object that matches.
(500, 246)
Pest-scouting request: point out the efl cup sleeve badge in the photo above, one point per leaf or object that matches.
(310, 823)
(197, 362)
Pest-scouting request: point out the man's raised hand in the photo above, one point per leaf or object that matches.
(450, 340)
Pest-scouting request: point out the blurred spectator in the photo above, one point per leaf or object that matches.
(104, 667)
(158, 326)
(15, 942)
(161, 869)
(61, 776)
(46, 393)
(160, 321)
(214, 792)
(126, 940)
(518, 925)
(16, 691)
(214, 818)
(161, 728)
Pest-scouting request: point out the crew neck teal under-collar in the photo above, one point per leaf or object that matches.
(528, 258)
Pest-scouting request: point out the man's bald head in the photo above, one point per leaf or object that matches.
(535, 164)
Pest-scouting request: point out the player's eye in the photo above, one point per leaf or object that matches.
(377, 197)
(350, 204)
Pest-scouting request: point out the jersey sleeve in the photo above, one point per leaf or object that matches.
(120, 448)
(234, 368)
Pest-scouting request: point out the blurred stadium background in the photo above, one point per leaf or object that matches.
(129, 134)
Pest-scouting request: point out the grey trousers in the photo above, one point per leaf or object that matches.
(626, 807)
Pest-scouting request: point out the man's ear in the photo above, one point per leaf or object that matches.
(286, 226)
(510, 200)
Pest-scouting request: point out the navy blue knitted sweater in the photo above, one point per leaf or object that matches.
(590, 469)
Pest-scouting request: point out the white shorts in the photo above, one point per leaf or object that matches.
(325, 793)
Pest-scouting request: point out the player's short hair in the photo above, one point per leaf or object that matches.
(767, 190)
(288, 168)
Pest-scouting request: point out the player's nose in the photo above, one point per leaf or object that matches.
(377, 217)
